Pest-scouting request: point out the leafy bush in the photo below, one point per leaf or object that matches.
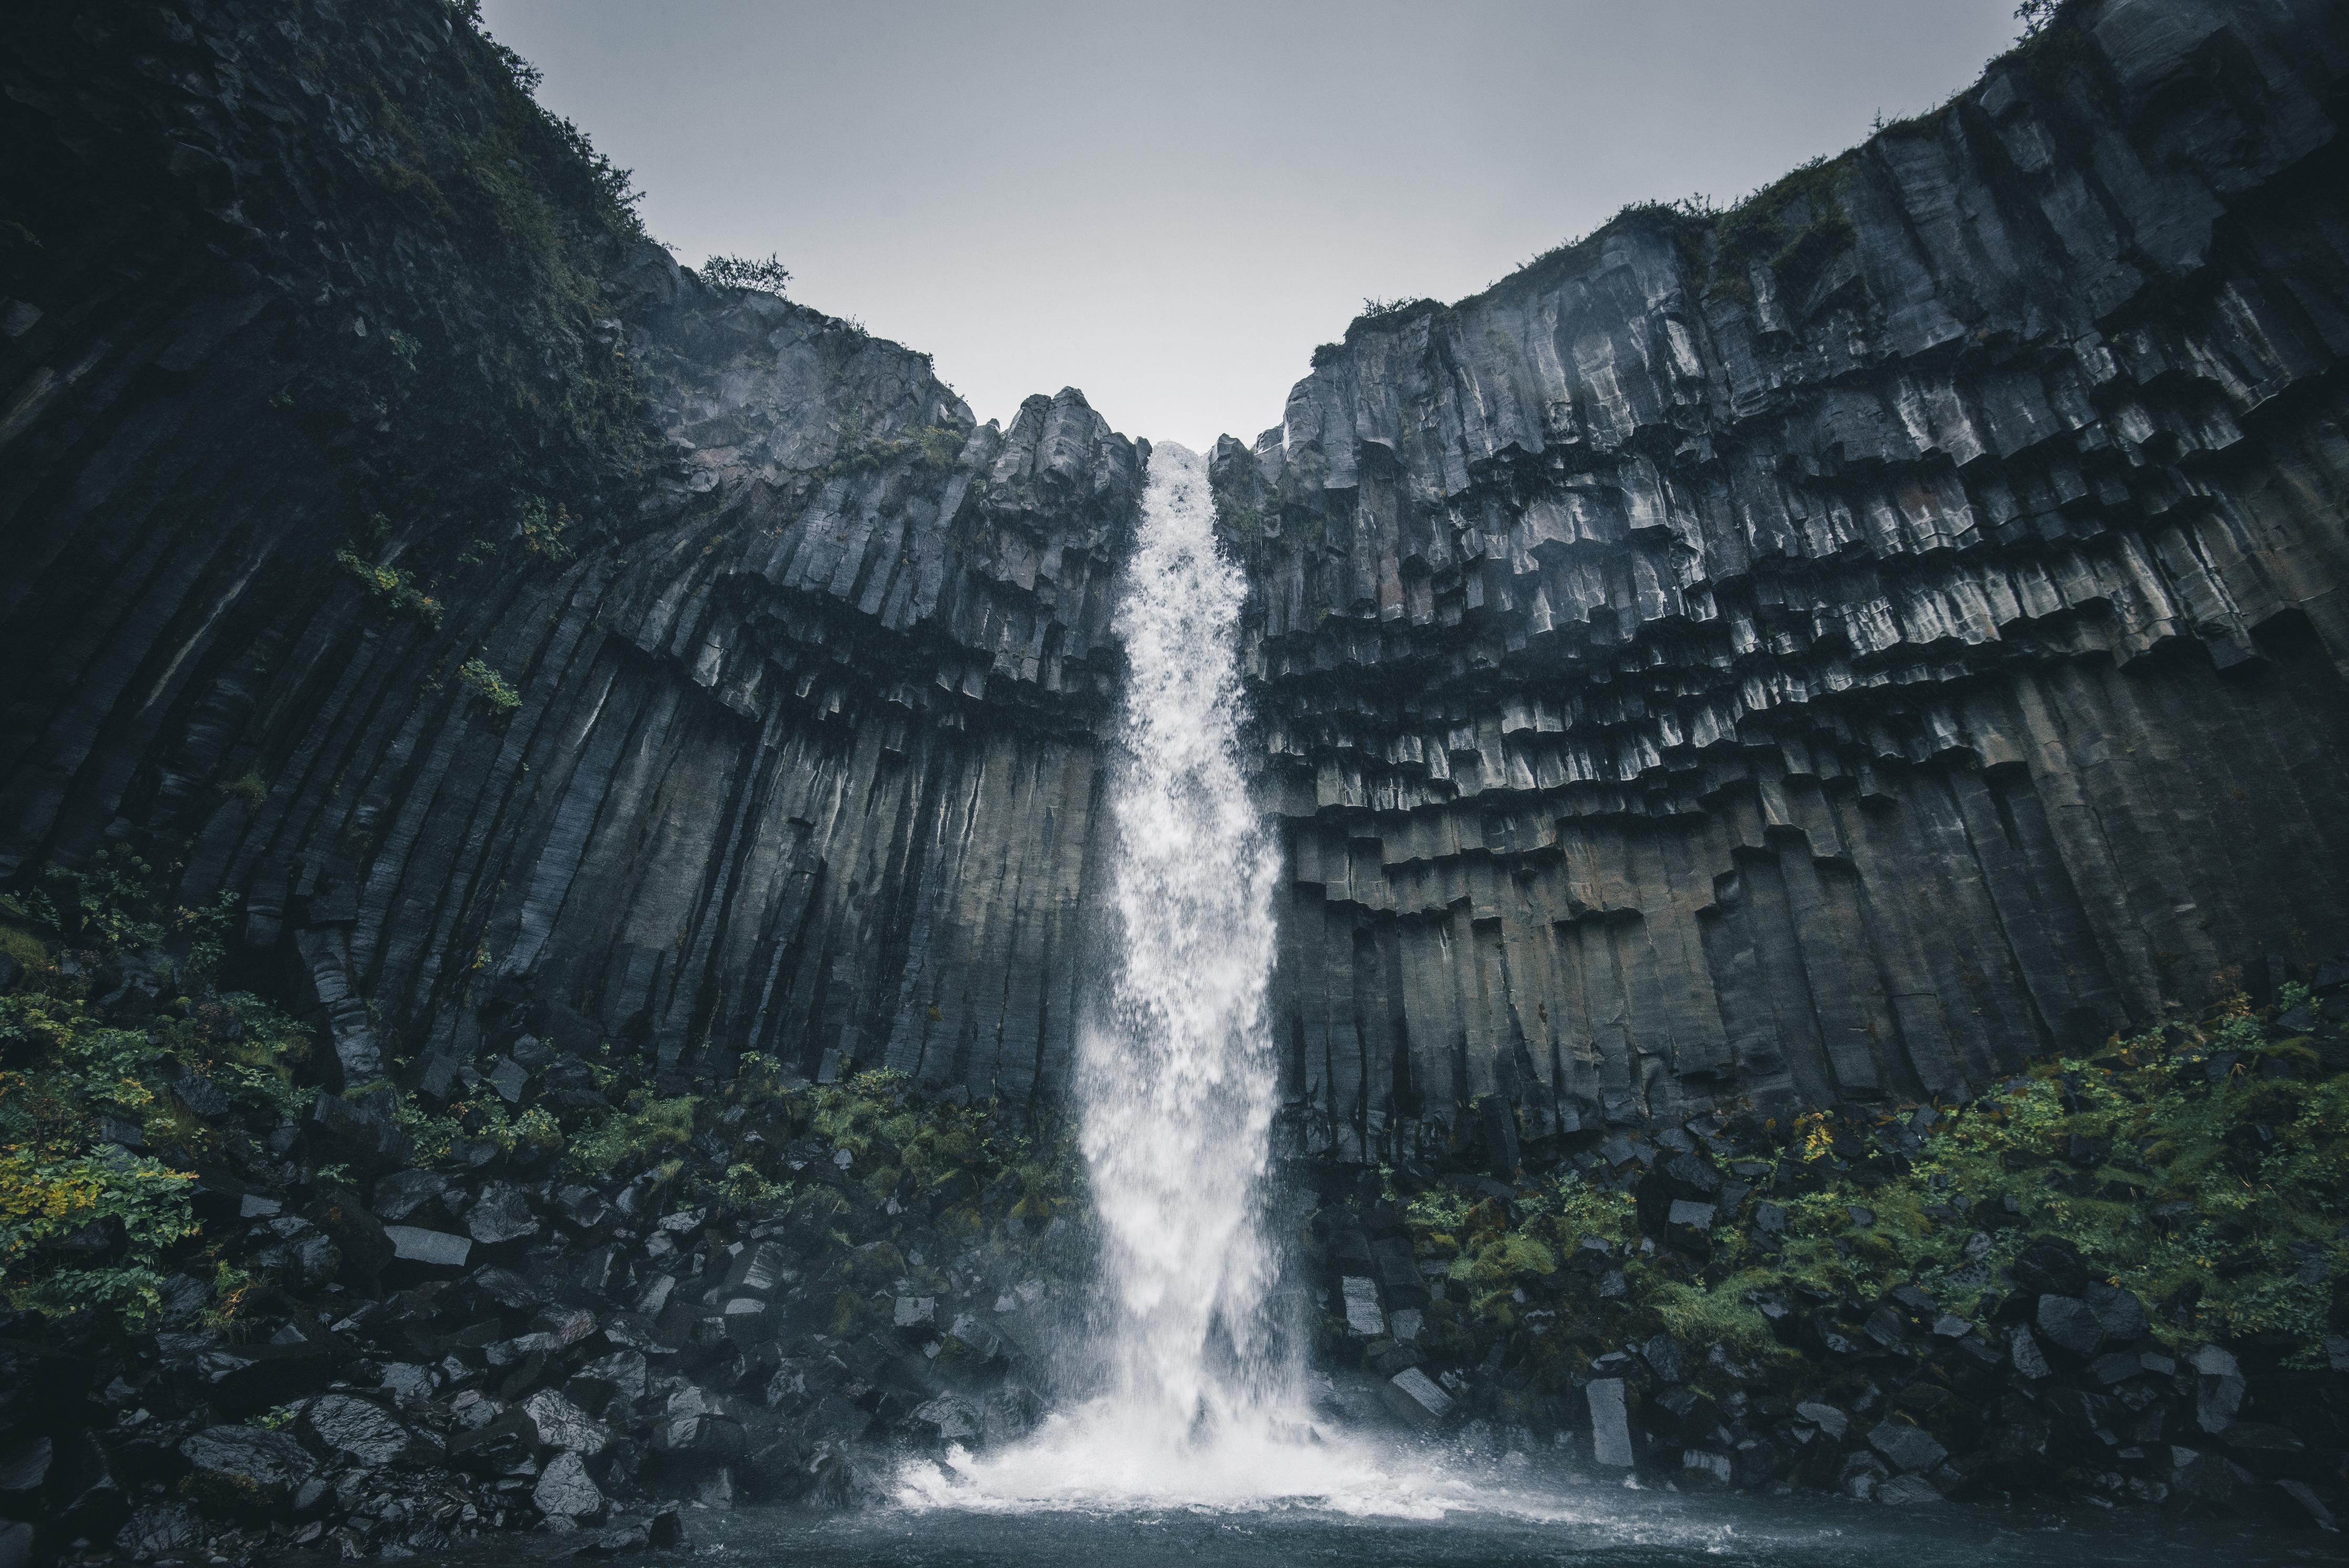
(395, 589)
(767, 276)
(489, 686)
(646, 1127)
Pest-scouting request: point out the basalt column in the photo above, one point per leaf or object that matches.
(1837, 649)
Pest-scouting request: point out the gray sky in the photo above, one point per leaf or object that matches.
(1169, 204)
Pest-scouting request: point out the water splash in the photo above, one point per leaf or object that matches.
(1175, 1075)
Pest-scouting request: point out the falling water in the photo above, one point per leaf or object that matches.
(1175, 1073)
(1175, 1084)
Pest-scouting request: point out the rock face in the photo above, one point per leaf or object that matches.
(800, 666)
(1833, 651)
(1825, 651)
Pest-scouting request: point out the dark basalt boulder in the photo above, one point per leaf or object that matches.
(244, 1471)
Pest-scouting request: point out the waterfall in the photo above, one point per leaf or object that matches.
(1197, 1404)
(1175, 1075)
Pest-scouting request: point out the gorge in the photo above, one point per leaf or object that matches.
(524, 766)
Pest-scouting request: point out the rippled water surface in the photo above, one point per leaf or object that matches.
(1602, 1526)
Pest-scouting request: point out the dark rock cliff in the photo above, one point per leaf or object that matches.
(1829, 649)
(533, 635)
(1837, 648)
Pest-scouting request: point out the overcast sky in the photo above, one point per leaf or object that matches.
(1168, 204)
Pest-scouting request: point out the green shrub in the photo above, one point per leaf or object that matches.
(393, 589)
(489, 686)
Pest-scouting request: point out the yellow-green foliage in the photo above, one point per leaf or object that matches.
(395, 589)
(489, 686)
(252, 790)
(646, 1127)
(58, 1180)
(2242, 1211)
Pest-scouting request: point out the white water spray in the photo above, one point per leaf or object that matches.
(1175, 1084)
(1175, 1076)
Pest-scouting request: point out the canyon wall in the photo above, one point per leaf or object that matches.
(1835, 650)
(1827, 651)
(531, 635)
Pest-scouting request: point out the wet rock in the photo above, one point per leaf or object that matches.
(1415, 1398)
(709, 1438)
(1827, 1419)
(243, 1471)
(166, 1530)
(1363, 1314)
(561, 1424)
(1610, 1423)
(2310, 1507)
(364, 1134)
(2122, 1315)
(24, 1468)
(1905, 1492)
(1905, 1448)
(2023, 1352)
(427, 1253)
(946, 1419)
(1861, 1474)
(501, 1215)
(401, 1195)
(2218, 1388)
(662, 1532)
(565, 1489)
(1701, 1467)
(2070, 1325)
(343, 1430)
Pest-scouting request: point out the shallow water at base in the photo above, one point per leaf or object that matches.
(1588, 1526)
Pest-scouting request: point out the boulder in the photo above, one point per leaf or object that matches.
(1827, 1418)
(2218, 1388)
(167, 1530)
(501, 1216)
(2070, 1325)
(1610, 1423)
(2122, 1315)
(1905, 1448)
(1907, 1492)
(563, 1425)
(1416, 1398)
(243, 1471)
(662, 1532)
(342, 1429)
(565, 1490)
(418, 1254)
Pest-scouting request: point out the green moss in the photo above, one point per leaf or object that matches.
(489, 686)
(629, 1136)
(393, 589)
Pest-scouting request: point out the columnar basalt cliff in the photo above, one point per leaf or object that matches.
(490, 714)
(535, 636)
(1826, 650)
(1836, 649)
